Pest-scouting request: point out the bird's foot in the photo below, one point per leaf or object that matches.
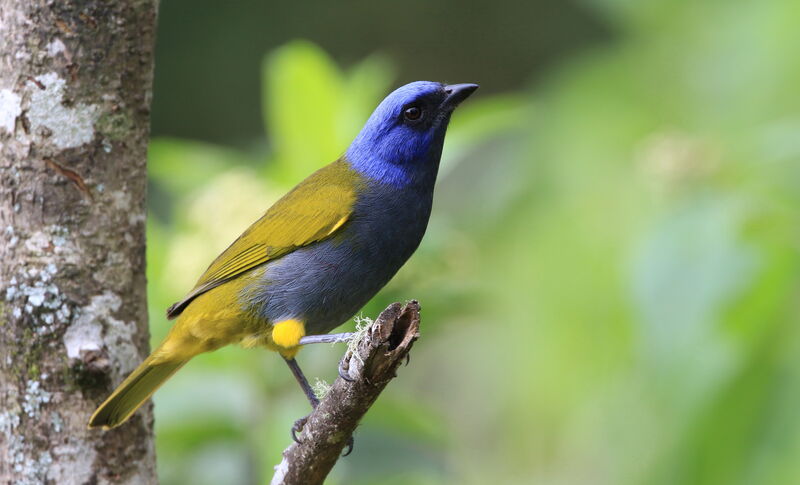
(349, 446)
(344, 368)
(301, 423)
(297, 427)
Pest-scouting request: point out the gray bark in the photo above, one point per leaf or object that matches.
(75, 88)
(371, 362)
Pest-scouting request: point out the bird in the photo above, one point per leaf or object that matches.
(318, 255)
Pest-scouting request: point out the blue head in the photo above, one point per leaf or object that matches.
(402, 140)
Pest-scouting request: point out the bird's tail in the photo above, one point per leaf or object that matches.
(133, 392)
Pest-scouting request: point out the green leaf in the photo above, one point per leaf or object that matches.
(302, 98)
(368, 82)
(182, 166)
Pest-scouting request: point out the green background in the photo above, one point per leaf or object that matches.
(611, 275)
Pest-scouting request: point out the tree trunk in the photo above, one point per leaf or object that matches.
(75, 89)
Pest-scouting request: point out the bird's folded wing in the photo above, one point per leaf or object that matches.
(311, 212)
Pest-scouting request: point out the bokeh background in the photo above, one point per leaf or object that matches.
(611, 278)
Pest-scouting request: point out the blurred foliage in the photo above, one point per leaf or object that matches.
(208, 52)
(609, 281)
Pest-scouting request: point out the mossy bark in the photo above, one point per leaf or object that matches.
(75, 89)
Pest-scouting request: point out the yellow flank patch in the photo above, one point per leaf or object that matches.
(288, 333)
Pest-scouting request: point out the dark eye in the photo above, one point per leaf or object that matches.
(413, 113)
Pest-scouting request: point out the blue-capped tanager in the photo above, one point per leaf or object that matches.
(316, 256)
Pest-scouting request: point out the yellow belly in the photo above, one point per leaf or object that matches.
(215, 319)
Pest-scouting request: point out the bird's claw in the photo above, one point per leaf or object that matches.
(300, 424)
(297, 427)
(349, 446)
(344, 367)
(408, 358)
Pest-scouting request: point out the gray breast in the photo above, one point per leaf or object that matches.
(326, 283)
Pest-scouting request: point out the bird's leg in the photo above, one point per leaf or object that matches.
(312, 399)
(309, 392)
(329, 338)
(301, 379)
(332, 338)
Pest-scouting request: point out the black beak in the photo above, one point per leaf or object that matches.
(456, 93)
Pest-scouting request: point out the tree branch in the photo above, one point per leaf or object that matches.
(373, 363)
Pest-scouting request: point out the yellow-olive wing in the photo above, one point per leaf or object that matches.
(311, 212)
